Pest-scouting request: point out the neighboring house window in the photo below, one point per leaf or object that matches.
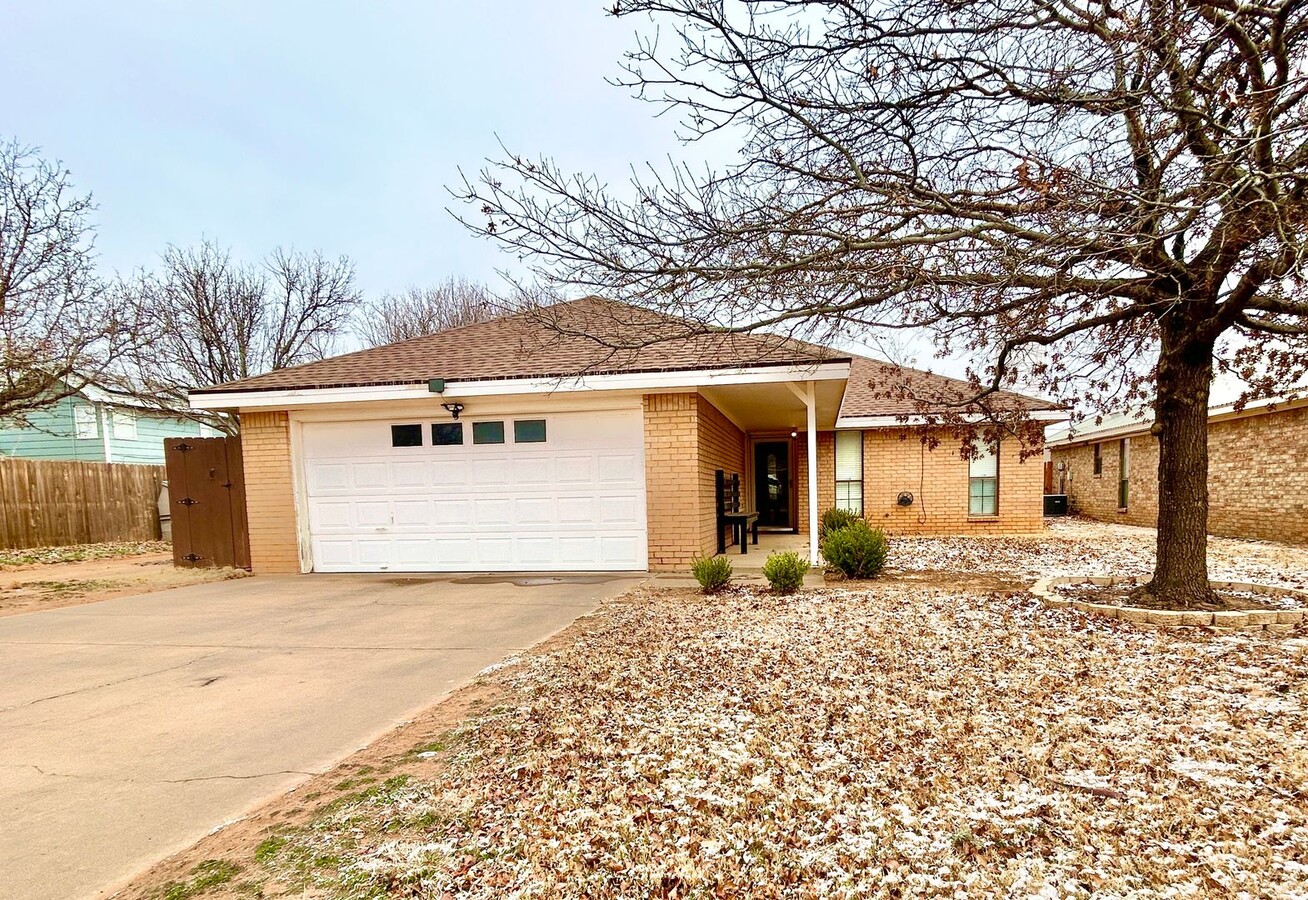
(983, 483)
(849, 471)
(124, 424)
(1099, 460)
(446, 434)
(1124, 473)
(529, 431)
(86, 424)
(488, 432)
(406, 435)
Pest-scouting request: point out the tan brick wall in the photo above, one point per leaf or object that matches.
(270, 496)
(1257, 478)
(671, 467)
(721, 445)
(1096, 495)
(826, 454)
(686, 440)
(895, 461)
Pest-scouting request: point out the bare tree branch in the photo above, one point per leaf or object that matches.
(208, 319)
(58, 325)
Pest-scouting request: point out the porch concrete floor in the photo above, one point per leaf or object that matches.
(768, 542)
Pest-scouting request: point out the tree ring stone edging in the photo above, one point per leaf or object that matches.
(1272, 620)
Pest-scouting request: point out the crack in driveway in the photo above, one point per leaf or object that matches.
(117, 681)
(191, 780)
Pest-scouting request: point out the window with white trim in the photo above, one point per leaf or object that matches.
(124, 421)
(983, 482)
(86, 424)
(849, 471)
(1124, 473)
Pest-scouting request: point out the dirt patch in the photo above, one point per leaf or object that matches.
(59, 584)
(1129, 595)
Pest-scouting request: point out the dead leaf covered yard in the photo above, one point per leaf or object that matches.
(884, 740)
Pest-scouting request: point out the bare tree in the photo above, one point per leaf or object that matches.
(57, 324)
(1107, 200)
(420, 311)
(209, 319)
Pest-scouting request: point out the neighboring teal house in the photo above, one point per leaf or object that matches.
(97, 425)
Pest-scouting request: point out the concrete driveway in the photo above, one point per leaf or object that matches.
(131, 728)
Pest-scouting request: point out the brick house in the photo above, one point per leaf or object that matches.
(1257, 470)
(586, 436)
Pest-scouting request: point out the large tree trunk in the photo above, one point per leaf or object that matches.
(1184, 382)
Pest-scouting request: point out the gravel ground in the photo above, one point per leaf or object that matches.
(1074, 546)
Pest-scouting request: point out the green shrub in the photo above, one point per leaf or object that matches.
(712, 572)
(785, 571)
(858, 550)
(834, 520)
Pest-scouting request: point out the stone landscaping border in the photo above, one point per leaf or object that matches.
(1272, 620)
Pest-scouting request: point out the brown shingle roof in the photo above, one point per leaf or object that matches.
(596, 336)
(591, 336)
(879, 388)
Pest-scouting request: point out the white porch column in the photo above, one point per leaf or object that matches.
(810, 404)
(809, 397)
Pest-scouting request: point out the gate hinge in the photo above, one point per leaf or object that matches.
(191, 557)
(188, 501)
(183, 447)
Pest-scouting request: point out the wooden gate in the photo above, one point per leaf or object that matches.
(206, 497)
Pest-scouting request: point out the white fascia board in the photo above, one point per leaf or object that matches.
(865, 422)
(1224, 413)
(459, 390)
(1104, 434)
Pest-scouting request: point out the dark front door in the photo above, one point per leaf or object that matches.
(772, 483)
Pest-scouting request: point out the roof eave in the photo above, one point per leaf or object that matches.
(279, 398)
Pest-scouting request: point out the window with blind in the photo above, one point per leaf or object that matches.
(1124, 474)
(849, 471)
(983, 483)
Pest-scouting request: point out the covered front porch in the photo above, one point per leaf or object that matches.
(783, 428)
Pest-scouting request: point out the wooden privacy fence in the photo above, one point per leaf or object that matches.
(54, 504)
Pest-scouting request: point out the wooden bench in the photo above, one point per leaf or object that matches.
(742, 522)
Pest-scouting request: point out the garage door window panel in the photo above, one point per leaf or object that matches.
(447, 434)
(488, 432)
(406, 435)
(529, 431)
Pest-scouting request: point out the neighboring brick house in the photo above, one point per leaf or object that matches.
(1257, 470)
(587, 436)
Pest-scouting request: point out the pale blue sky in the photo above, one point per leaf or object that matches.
(325, 125)
(329, 125)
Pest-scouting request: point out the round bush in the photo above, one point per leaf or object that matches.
(834, 520)
(785, 571)
(857, 550)
(712, 572)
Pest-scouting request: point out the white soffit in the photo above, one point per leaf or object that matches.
(460, 390)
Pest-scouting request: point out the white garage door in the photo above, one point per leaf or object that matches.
(532, 492)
